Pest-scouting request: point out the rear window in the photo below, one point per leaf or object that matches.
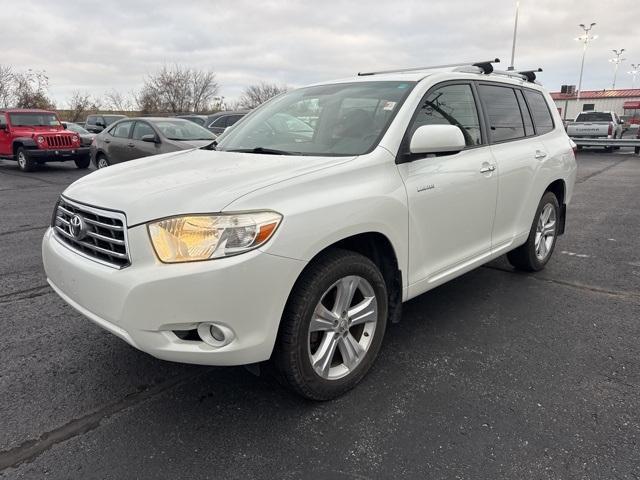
(539, 111)
(594, 117)
(505, 120)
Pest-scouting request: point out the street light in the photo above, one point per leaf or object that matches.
(585, 38)
(634, 71)
(515, 32)
(616, 61)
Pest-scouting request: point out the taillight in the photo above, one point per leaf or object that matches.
(610, 131)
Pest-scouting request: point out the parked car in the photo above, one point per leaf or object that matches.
(97, 123)
(637, 149)
(86, 137)
(301, 249)
(140, 137)
(596, 125)
(33, 137)
(219, 122)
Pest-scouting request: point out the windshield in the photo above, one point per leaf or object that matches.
(183, 130)
(74, 127)
(335, 120)
(594, 117)
(109, 119)
(34, 120)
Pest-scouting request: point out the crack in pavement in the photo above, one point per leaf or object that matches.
(10, 232)
(32, 292)
(591, 175)
(29, 450)
(627, 295)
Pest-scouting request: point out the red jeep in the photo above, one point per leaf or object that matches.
(33, 137)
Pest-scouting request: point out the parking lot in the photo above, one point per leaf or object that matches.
(494, 375)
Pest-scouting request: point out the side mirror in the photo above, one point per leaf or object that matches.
(437, 139)
(150, 138)
(100, 124)
(64, 125)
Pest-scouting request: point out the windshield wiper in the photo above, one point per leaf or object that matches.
(266, 151)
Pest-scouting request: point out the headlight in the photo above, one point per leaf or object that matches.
(40, 139)
(191, 238)
(75, 138)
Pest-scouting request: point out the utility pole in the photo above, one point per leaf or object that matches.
(515, 33)
(585, 38)
(616, 61)
(634, 71)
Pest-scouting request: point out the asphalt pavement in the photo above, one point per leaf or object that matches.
(496, 374)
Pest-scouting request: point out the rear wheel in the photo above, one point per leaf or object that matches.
(332, 327)
(24, 162)
(83, 162)
(536, 252)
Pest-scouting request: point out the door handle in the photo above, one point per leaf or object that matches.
(540, 154)
(106, 140)
(130, 145)
(487, 169)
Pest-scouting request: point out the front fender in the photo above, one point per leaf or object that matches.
(26, 142)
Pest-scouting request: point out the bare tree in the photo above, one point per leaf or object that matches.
(178, 89)
(116, 101)
(30, 90)
(80, 104)
(7, 82)
(255, 95)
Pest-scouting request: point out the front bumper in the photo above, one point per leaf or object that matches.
(144, 303)
(60, 155)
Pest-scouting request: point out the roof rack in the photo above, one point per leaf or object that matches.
(530, 75)
(484, 65)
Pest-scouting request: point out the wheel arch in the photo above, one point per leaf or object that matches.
(559, 189)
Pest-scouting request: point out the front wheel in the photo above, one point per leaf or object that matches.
(332, 327)
(536, 252)
(102, 161)
(25, 163)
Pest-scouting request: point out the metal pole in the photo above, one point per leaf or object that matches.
(585, 39)
(515, 33)
(584, 53)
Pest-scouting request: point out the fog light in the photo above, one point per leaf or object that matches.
(214, 334)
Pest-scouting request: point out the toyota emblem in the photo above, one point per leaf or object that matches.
(77, 227)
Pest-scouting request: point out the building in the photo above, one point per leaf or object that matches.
(622, 102)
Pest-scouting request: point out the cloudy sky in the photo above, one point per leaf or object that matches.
(112, 44)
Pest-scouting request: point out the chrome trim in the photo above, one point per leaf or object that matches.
(65, 238)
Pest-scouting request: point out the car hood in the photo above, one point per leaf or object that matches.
(190, 181)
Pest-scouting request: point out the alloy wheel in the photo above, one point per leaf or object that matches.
(102, 162)
(342, 327)
(22, 160)
(545, 231)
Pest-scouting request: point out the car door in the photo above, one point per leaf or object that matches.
(517, 152)
(138, 147)
(5, 136)
(451, 197)
(117, 138)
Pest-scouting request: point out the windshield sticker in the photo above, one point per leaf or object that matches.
(389, 106)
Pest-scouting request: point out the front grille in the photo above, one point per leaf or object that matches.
(57, 141)
(92, 232)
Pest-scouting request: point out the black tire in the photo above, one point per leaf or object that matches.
(25, 163)
(637, 150)
(291, 358)
(524, 257)
(579, 147)
(83, 162)
(101, 159)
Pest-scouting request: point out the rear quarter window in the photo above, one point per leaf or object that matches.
(539, 111)
(505, 119)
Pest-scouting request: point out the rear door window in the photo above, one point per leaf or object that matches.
(505, 119)
(540, 111)
(220, 122)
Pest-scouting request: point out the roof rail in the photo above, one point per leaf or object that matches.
(484, 65)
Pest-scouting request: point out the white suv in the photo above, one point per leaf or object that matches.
(317, 216)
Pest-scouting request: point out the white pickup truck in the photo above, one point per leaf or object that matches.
(596, 125)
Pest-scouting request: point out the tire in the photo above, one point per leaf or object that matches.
(301, 341)
(637, 150)
(102, 161)
(83, 162)
(25, 163)
(529, 257)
